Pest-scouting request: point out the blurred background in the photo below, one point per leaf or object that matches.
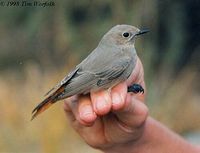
(39, 46)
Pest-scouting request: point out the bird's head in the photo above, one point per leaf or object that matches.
(122, 35)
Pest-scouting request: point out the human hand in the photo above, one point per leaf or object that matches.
(109, 119)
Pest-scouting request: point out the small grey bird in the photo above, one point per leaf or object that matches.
(110, 63)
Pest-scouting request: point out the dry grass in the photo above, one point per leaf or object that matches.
(178, 101)
(49, 132)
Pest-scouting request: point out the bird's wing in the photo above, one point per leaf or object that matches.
(86, 80)
(113, 72)
(64, 81)
(82, 81)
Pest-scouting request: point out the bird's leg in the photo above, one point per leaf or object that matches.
(135, 88)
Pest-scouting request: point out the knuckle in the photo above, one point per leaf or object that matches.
(143, 115)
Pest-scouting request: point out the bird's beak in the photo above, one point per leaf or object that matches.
(143, 31)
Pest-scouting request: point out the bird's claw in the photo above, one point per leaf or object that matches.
(135, 88)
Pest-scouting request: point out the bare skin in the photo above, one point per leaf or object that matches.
(116, 121)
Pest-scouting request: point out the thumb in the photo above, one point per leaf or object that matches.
(137, 76)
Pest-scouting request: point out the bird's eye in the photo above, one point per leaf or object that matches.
(126, 34)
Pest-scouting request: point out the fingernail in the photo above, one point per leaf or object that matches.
(86, 111)
(100, 104)
(116, 99)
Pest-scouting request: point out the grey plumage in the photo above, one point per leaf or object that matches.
(110, 63)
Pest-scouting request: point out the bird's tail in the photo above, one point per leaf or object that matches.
(45, 104)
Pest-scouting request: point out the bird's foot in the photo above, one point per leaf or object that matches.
(135, 88)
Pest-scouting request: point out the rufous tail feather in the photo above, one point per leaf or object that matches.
(47, 103)
(42, 107)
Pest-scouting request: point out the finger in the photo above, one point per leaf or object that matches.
(133, 114)
(77, 125)
(68, 112)
(118, 94)
(73, 105)
(101, 102)
(85, 110)
(137, 76)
